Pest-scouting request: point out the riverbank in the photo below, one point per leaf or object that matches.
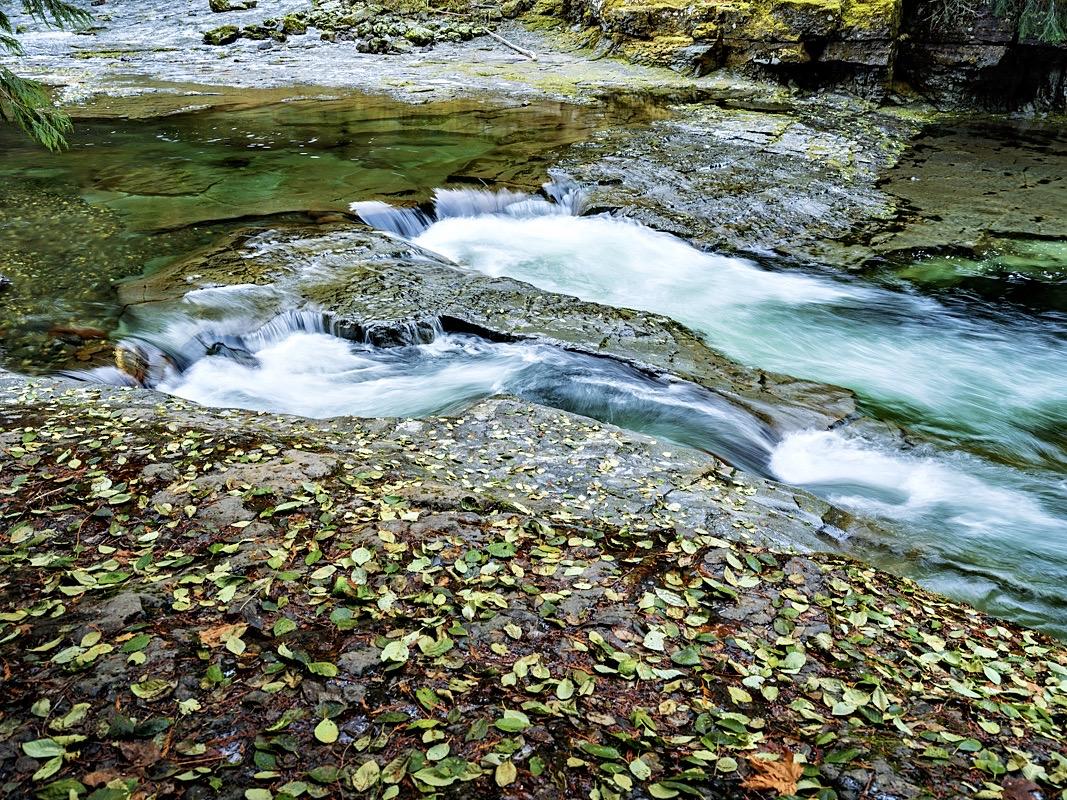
(504, 602)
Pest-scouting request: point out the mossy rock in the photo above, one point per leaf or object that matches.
(225, 34)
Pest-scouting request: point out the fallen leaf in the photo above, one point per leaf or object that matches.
(1016, 788)
(100, 777)
(782, 776)
(140, 754)
(213, 637)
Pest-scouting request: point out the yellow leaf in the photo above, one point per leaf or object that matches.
(782, 776)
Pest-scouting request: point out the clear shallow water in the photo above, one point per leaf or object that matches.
(134, 195)
(1029, 273)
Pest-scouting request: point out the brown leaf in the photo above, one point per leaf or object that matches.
(213, 637)
(139, 754)
(100, 777)
(1016, 788)
(782, 776)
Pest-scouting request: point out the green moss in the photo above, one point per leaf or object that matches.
(102, 53)
(659, 51)
(871, 14)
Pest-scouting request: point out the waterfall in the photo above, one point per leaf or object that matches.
(564, 197)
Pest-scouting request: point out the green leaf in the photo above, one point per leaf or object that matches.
(687, 656)
(640, 769)
(427, 697)
(366, 776)
(739, 695)
(152, 689)
(283, 626)
(258, 794)
(513, 722)
(793, 661)
(726, 764)
(435, 647)
(137, 643)
(601, 751)
(842, 756)
(506, 773)
(326, 731)
(49, 768)
(43, 748)
(76, 714)
(661, 792)
(325, 774)
(395, 770)
(438, 751)
(395, 651)
(501, 550)
(654, 639)
(62, 789)
(324, 668)
(434, 777)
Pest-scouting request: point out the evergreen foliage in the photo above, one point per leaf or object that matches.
(1044, 20)
(1035, 20)
(24, 102)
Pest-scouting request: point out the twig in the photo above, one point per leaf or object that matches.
(512, 45)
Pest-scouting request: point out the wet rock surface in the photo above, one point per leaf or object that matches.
(510, 601)
(794, 180)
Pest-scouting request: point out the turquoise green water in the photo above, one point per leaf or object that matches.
(1027, 272)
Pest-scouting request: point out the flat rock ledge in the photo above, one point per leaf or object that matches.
(514, 602)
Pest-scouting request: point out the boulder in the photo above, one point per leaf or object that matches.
(225, 34)
(419, 36)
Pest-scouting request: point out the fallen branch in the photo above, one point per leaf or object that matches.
(530, 55)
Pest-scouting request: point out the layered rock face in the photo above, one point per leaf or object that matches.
(955, 54)
(976, 57)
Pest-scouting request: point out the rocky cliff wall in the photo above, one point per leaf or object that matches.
(957, 55)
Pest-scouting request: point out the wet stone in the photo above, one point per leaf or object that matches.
(359, 662)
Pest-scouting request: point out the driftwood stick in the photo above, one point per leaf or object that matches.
(512, 45)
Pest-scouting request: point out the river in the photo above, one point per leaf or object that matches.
(975, 496)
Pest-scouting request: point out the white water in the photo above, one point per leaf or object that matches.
(991, 382)
(297, 364)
